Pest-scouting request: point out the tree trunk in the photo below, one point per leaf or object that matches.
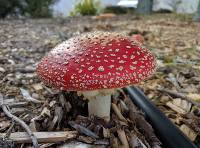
(197, 15)
(144, 7)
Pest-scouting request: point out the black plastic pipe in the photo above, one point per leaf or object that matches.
(168, 133)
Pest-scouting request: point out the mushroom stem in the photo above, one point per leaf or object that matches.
(99, 102)
(100, 106)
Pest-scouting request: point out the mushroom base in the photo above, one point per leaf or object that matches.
(99, 102)
(100, 106)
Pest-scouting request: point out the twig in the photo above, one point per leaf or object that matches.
(22, 123)
(179, 95)
(83, 130)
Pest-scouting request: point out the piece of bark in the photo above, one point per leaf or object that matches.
(86, 139)
(123, 138)
(188, 132)
(179, 95)
(18, 120)
(47, 145)
(114, 142)
(59, 112)
(106, 133)
(53, 123)
(8, 132)
(185, 105)
(18, 111)
(176, 108)
(192, 121)
(37, 86)
(65, 104)
(104, 16)
(58, 115)
(42, 137)
(135, 142)
(33, 126)
(25, 70)
(83, 129)
(101, 142)
(118, 112)
(124, 107)
(4, 125)
(28, 97)
(17, 104)
(143, 126)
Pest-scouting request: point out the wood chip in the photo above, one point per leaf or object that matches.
(104, 16)
(136, 142)
(52, 103)
(188, 132)
(33, 126)
(27, 96)
(2, 70)
(118, 112)
(106, 133)
(37, 86)
(4, 125)
(18, 111)
(46, 111)
(42, 137)
(176, 108)
(114, 142)
(123, 138)
(185, 105)
(194, 96)
(53, 123)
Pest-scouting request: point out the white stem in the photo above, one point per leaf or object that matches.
(99, 102)
(100, 106)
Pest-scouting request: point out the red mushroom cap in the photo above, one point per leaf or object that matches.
(98, 60)
(139, 38)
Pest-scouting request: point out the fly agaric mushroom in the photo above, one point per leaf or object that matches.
(139, 38)
(94, 64)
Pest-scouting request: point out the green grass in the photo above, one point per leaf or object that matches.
(86, 7)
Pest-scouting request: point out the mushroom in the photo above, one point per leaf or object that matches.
(139, 38)
(94, 65)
